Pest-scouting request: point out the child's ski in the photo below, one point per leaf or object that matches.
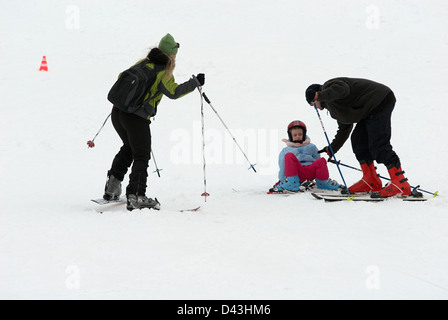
(283, 192)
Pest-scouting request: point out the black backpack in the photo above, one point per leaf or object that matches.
(132, 86)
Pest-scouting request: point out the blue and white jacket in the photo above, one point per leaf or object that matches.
(306, 156)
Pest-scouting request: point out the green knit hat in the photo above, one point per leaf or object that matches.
(168, 45)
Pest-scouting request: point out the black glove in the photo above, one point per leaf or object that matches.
(201, 78)
(323, 150)
(327, 151)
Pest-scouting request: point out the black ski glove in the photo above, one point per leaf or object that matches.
(201, 78)
(327, 151)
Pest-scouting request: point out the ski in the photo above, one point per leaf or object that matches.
(108, 205)
(191, 210)
(102, 201)
(341, 197)
(305, 186)
(362, 197)
(283, 192)
(122, 200)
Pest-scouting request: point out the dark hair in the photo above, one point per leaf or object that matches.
(158, 57)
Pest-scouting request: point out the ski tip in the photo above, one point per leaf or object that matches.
(100, 201)
(191, 210)
(316, 196)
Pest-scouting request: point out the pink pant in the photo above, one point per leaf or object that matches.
(317, 170)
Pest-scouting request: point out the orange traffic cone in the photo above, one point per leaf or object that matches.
(43, 65)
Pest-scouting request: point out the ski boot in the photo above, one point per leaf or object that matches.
(141, 202)
(370, 181)
(291, 184)
(112, 190)
(398, 184)
(328, 184)
(274, 187)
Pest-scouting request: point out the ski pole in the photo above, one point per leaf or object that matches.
(91, 143)
(205, 194)
(331, 149)
(252, 166)
(435, 194)
(155, 163)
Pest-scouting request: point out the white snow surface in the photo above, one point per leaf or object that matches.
(258, 56)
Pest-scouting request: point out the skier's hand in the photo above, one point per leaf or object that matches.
(327, 151)
(201, 78)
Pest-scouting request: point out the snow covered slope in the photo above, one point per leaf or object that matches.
(258, 56)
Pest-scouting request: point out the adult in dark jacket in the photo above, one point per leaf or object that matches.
(369, 105)
(134, 129)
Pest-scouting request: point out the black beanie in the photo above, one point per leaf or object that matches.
(310, 92)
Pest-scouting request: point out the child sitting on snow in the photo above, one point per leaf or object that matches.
(300, 161)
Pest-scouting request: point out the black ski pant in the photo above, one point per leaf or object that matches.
(135, 133)
(371, 137)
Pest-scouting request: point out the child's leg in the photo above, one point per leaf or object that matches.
(322, 175)
(291, 165)
(294, 168)
(319, 169)
(292, 181)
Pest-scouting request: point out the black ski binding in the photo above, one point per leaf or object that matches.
(415, 193)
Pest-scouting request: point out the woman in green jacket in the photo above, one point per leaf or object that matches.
(134, 128)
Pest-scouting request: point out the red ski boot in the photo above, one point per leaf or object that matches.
(398, 184)
(370, 181)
